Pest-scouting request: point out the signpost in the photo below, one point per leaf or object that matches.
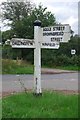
(46, 37)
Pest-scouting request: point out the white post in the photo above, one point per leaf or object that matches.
(37, 58)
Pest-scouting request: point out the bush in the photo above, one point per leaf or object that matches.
(74, 60)
(62, 60)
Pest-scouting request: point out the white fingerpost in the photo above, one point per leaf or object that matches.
(37, 58)
(46, 37)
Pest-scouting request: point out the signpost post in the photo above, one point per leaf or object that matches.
(46, 37)
(37, 58)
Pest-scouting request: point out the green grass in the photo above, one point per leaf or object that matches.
(72, 68)
(49, 105)
(75, 68)
(0, 108)
(16, 67)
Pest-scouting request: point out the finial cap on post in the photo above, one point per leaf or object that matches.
(37, 23)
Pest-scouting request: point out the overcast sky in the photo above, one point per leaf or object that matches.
(65, 11)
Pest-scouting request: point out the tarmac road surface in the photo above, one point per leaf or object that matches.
(63, 81)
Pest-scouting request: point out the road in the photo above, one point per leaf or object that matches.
(63, 81)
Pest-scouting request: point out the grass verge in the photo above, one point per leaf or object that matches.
(74, 68)
(49, 105)
(68, 67)
(16, 67)
(0, 108)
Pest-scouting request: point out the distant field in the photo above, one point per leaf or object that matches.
(22, 67)
(49, 105)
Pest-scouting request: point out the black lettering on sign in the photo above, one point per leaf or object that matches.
(18, 42)
(48, 44)
(58, 39)
(58, 28)
(53, 34)
(47, 29)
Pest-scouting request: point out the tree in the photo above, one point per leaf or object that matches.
(22, 16)
(22, 20)
(16, 11)
(7, 35)
(46, 17)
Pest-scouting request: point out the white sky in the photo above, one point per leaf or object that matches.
(65, 11)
